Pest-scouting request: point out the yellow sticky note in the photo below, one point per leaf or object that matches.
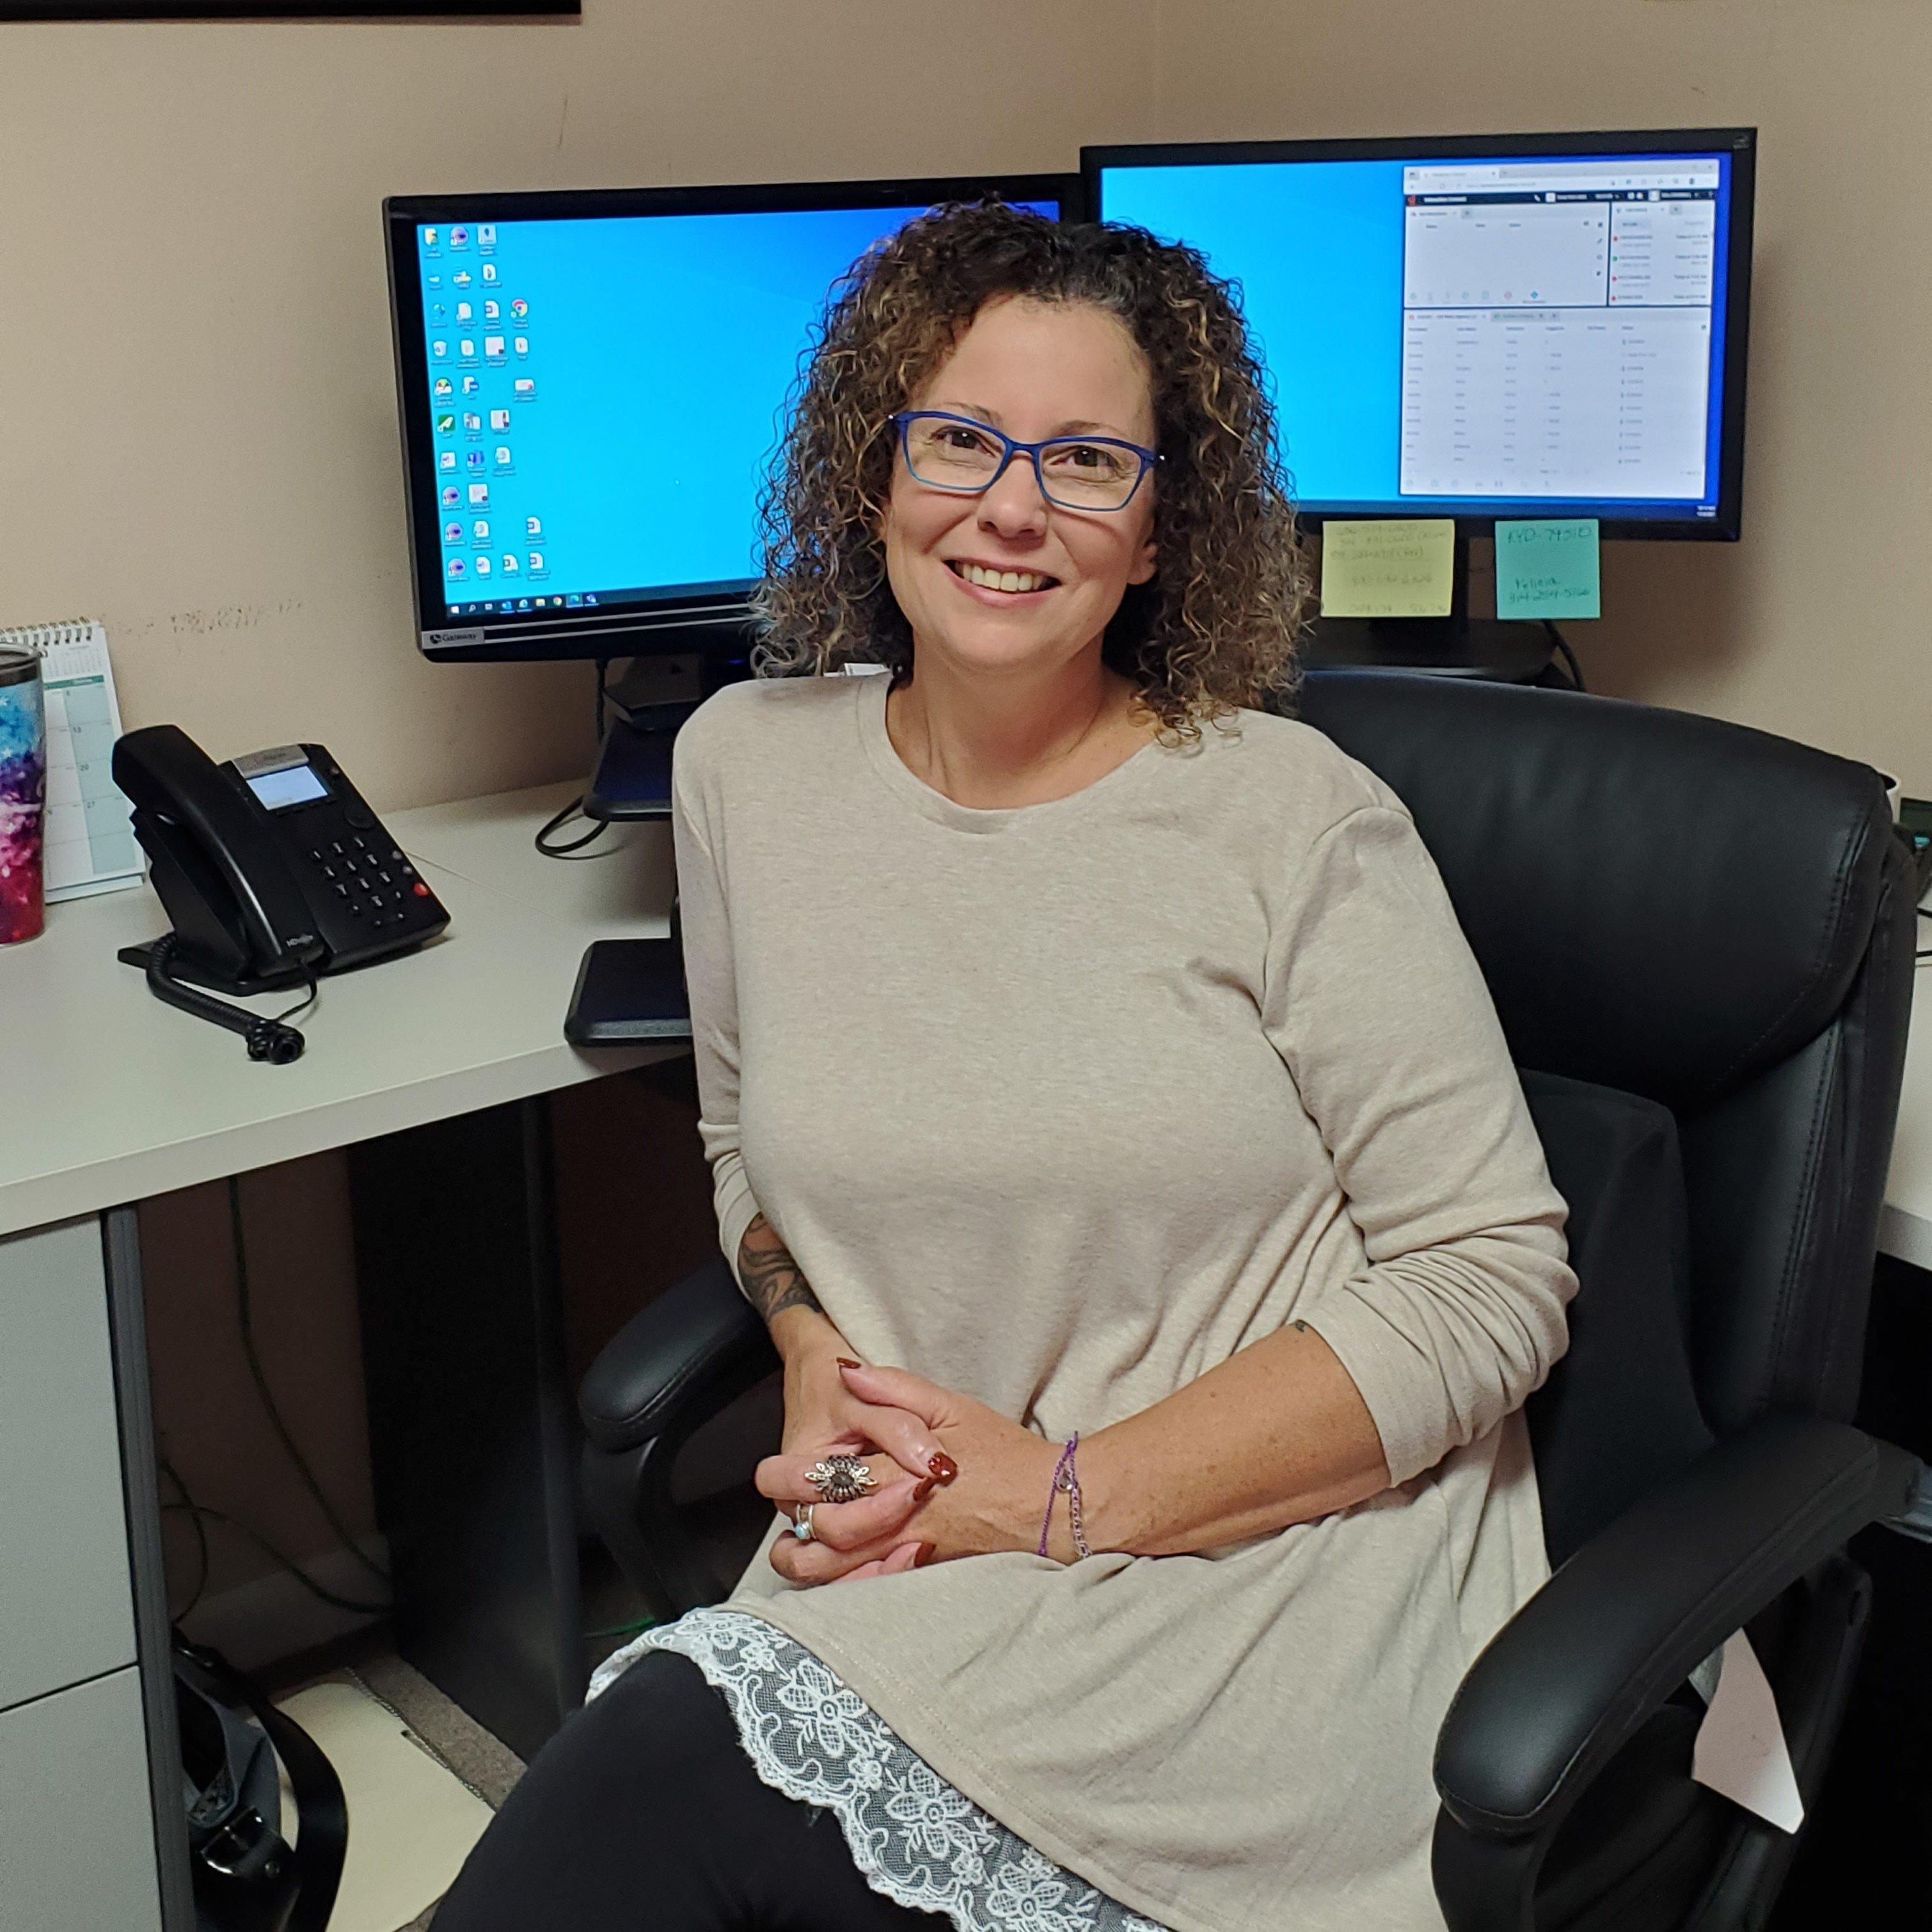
(1394, 567)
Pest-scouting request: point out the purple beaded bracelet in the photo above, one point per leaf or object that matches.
(1067, 1478)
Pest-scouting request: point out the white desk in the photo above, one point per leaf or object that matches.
(112, 1097)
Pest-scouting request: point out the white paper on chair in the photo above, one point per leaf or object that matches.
(1741, 1751)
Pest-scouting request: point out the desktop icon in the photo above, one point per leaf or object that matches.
(429, 238)
(519, 309)
(588, 598)
(492, 347)
(457, 567)
(502, 456)
(479, 495)
(509, 563)
(522, 345)
(536, 563)
(489, 271)
(523, 603)
(486, 235)
(439, 348)
(461, 279)
(464, 311)
(438, 312)
(432, 281)
(526, 387)
(452, 532)
(467, 349)
(472, 422)
(470, 386)
(475, 458)
(447, 461)
(573, 600)
(533, 526)
(492, 310)
(480, 531)
(499, 419)
(445, 423)
(459, 238)
(451, 497)
(482, 566)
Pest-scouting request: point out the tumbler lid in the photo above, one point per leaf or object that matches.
(18, 667)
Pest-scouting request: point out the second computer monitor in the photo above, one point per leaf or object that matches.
(1510, 326)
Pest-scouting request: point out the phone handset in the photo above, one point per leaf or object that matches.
(216, 835)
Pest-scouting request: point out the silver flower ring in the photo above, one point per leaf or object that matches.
(840, 1479)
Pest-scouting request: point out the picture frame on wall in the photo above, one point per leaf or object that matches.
(286, 10)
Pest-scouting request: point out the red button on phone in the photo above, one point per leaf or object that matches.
(421, 890)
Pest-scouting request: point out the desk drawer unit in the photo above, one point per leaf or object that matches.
(77, 1833)
(66, 1603)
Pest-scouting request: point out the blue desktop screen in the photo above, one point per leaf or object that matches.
(604, 393)
(1474, 337)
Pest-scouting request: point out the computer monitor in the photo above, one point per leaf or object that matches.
(1522, 326)
(590, 384)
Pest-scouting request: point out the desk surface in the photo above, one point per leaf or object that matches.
(112, 1097)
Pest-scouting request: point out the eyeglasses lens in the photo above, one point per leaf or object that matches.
(1075, 474)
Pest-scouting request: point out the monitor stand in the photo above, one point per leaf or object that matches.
(1457, 646)
(658, 692)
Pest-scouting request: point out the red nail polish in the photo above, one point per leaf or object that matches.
(847, 1362)
(927, 1484)
(943, 1466)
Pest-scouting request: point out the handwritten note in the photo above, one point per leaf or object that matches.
(1548, 569)
(1398, 567)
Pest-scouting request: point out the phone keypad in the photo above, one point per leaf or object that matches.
(372, 879)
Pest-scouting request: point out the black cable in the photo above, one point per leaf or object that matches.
(543, 841)
(245, 1310)
(268, 1036)
(203, 1566)
(1562, 644)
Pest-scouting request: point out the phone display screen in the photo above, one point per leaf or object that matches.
(294, 784)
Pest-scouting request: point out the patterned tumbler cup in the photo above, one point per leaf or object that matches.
(23, 790)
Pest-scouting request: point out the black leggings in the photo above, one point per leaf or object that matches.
(644, 1814)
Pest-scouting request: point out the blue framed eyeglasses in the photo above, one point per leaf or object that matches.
(1076, 473)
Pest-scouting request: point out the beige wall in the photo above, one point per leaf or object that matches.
(1814, 624)
(197, 415)
(197, 434)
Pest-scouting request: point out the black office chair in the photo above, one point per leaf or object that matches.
(1700, 940)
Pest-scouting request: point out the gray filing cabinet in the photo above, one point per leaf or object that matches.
(77, 1846)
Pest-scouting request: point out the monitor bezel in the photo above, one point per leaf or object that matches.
(673, 619)
(1740, 143)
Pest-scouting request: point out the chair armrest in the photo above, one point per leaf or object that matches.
(1571, 1677)
(677, 1364)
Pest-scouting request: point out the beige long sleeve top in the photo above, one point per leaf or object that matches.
(1061, 1105)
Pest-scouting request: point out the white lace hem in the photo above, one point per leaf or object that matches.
(912, 1837)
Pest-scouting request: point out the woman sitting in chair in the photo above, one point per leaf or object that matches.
(1108, 1117)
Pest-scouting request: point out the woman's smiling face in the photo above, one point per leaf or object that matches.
(1034, 370)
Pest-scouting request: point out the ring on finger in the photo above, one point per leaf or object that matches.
(840, 1479)
(801, 1524)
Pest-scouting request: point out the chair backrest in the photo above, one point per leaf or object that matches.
(1709, 917)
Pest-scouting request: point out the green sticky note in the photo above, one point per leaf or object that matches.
(1394, 567)
(1548, 569)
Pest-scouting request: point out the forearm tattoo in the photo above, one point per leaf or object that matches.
(773, 1280)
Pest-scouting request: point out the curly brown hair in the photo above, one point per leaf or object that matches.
(1217, 627)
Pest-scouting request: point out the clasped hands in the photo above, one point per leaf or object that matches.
(954, 1478)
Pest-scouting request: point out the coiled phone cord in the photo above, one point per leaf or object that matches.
(269, 1037)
